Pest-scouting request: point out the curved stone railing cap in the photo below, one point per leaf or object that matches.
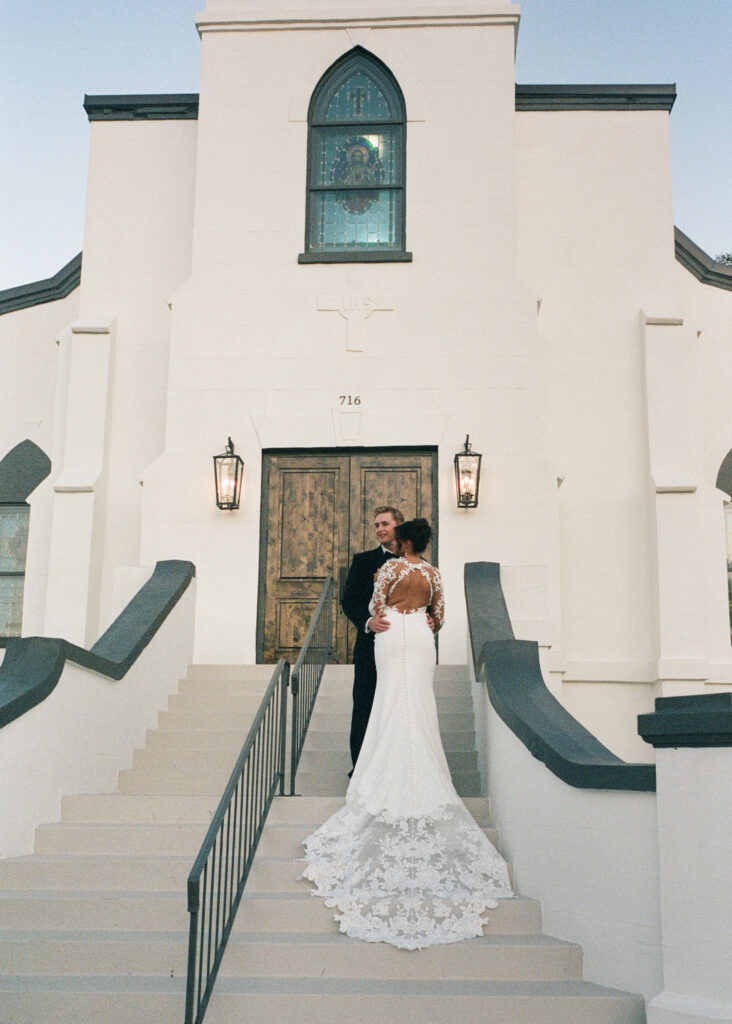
(33, 665)
(520, 696)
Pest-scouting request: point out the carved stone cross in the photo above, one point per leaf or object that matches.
(355, 306)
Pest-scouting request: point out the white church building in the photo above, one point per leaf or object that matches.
(362, 242)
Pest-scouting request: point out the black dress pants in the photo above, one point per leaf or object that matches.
(364, 688)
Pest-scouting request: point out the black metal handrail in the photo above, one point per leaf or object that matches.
(307, 673)
(220, 871)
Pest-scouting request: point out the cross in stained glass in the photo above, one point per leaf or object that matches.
(357, 95)
(355, 305)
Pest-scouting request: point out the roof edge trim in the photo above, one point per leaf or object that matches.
(595, 97)
(37, 292)
(700, 263)
(174, 106)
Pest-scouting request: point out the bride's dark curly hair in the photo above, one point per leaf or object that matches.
(416, 530)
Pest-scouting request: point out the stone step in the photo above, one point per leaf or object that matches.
(443, 673)
(318, 740)
(335, 783)
(136, 840)
(93, 952)
(83, 910)
(327, 721)
(141, 1000)
(118, 808)
(206, 720)
(248, 673)
(301, 911)
(234, 704)
(196, 739)
(312, 811)
(223, 687)
(286, 840)
(181, 757)
(174, 781)
(340, 760)
(342, 703)
(158, 874)
(283, 874)
(444, 689)
(326, 701)
(293, 955)
(96, 871)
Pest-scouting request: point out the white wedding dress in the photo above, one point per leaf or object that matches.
(403, 860)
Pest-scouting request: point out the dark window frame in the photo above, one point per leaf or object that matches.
(332, 80)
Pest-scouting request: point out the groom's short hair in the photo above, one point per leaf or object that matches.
(398, 516)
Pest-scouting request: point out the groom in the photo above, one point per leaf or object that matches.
(357, 594)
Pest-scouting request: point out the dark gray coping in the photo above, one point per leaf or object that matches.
(700, 263)
(595, 97)
(33, 665)
(724, 476)
(385, 256)
(21, 471)
(519, 695)
(703, 720)
(37, 292)
(184, 106)
(171, 106)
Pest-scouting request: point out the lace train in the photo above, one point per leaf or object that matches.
(412, 882)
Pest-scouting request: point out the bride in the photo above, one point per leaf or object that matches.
(403, 860)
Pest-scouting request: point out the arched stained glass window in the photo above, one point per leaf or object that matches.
(356, 164)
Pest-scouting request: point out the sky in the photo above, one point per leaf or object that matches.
(54, 51)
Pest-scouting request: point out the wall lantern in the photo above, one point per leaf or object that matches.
(467, 476)
(228, 473)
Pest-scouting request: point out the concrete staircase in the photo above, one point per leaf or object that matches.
(93, 925)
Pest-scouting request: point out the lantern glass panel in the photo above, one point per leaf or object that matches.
(467, 478)
(228, 470)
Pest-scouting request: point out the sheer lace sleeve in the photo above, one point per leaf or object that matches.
(381, 587)
(438, 600)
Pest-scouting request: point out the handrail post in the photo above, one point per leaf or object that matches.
(295, 689)
(283, 724)
(194, 902)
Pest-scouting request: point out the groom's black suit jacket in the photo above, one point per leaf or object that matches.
(357, 594)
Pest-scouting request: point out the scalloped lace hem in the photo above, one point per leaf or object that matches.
(411, 882)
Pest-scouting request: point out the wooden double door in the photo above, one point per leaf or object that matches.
(317, 512)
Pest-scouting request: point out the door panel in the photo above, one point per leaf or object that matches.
(305, 537)
(317, 512)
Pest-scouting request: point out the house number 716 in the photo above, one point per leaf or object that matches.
(350, 399)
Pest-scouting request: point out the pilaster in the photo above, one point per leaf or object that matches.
(674, 445)
(77, 532)
(693, 740)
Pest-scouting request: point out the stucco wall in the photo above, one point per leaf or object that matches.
(136, 253)
(252, 356)
(595, 241)
(708, 315)
(83, 733)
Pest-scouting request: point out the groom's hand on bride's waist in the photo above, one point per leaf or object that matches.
(378, 624)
